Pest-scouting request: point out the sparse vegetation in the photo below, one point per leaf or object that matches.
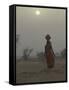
(26, 53)
(63, 53)
(40, 55)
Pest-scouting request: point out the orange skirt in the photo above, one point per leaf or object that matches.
(50, 59)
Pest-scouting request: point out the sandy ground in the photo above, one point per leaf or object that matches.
(37, 71)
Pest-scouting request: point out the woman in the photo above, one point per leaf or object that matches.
(49, 54)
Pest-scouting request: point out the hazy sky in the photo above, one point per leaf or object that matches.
(33, 28)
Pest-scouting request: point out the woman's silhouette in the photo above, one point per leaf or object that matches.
(49, 54)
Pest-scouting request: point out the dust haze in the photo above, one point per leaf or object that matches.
(32, 29)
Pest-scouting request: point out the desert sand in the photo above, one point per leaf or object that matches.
(32, 71)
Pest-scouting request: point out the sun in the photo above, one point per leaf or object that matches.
(37, 12)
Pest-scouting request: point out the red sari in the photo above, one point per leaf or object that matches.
(49, 55)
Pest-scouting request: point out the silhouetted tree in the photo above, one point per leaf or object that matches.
(63, 53)
(26, 53)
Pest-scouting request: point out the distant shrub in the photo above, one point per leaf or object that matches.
(26, 53)
(40, 55)
(63, 53)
